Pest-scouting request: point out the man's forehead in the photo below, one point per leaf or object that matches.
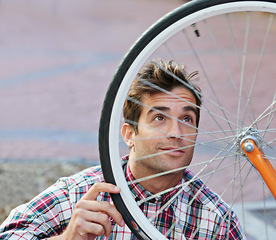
(178, 94)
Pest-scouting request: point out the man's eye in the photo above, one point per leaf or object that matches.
(188, 119)
(159, 118)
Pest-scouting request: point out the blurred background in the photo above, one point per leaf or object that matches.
(57, 58)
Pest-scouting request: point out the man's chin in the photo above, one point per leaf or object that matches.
(174, 170)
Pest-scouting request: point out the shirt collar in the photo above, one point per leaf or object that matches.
(140, 193)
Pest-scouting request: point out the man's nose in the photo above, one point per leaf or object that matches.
(174, 129)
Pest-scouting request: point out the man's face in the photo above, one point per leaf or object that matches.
(165, 138)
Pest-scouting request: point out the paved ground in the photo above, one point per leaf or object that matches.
(57, 58)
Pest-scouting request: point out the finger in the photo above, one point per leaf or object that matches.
(92, 228)
(97, 188)
(118, 219)
(100, 206)
(99, 218)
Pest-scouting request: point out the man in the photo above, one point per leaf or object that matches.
(160, 135)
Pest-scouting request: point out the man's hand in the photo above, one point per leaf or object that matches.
(90, 217)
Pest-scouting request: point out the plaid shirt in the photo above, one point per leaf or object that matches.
(49, 213)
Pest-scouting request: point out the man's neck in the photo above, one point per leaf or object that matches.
(156, 184)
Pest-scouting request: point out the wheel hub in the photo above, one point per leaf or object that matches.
(247, 134)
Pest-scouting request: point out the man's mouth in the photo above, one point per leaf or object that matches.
(175, 151)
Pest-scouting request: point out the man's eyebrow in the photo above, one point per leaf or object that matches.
(190, 108)
(165, 109)
(157, 109)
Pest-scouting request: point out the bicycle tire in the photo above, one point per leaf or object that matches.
(183, 17)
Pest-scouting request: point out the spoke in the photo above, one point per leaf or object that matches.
(268, 144)
(228, 17)
(270, 117)
(180, 137)
(212, 114)
(264, 114)
(212, 174)
(199, 191)
(231, 205)
(190, 134)
(179, 169)
(165, 114)
(218, 104)
(184, 186)
(244, 61)
(242, 198)
(181, 148)
(267, 34)
(217, 139)
(198, 134)
(271, 130)
(270, 157)
(238, 59)
(159, 111)
(265, 212)
(234, 200)
(225, 67)
(233, 181)
(273, 141)
(202, 169)
(169, 50)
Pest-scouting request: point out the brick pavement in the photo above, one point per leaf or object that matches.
(57, 59)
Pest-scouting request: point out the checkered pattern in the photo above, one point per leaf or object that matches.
(49, 213)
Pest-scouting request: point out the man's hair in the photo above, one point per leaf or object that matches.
(153, 77)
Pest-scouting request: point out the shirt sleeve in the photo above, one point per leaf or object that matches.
(235, 231)
(46, 215)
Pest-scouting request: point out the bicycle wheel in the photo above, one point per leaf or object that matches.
(232, 46)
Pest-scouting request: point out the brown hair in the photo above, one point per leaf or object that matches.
(154, 76)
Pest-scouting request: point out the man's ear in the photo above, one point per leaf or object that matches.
(127, 132)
